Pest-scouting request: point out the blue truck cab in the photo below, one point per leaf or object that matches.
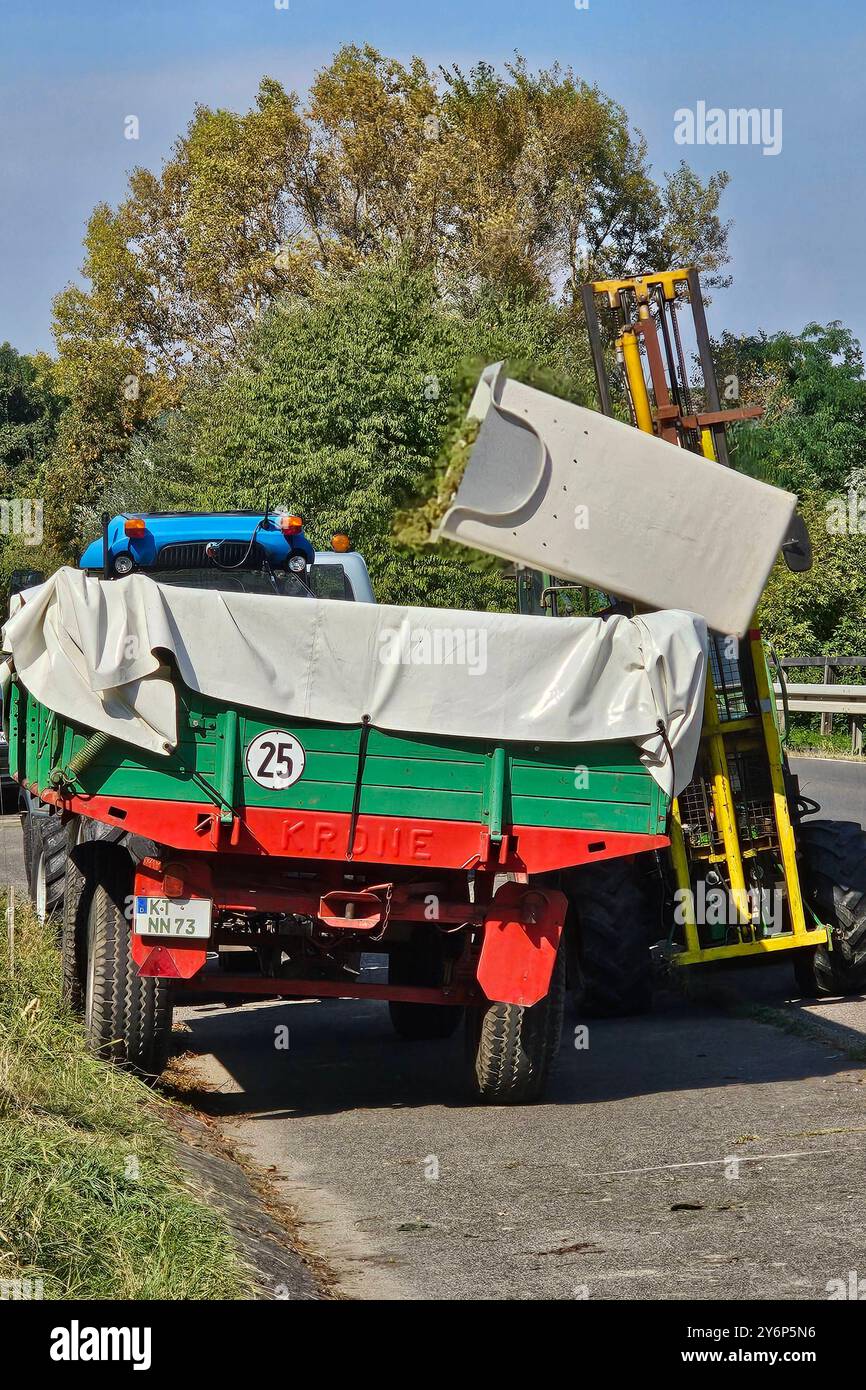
(247, 552)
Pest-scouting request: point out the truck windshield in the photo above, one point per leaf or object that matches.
(274, 582)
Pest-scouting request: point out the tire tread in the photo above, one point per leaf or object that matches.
(130, 1014)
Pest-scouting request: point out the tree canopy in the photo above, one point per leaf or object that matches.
(811, 440)
(30, 408)
(513, 179)
(493, 182)
(811, 388)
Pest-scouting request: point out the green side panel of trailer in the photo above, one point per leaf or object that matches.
(598, 786)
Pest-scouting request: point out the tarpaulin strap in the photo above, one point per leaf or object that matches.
(366, 726)
(660, 725)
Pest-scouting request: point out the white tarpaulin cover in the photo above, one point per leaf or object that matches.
(571, 492)
(93, 651)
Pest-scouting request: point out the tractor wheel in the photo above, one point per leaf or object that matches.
(609, 964)
(46, 839)
(832, 858)
(420, 962)
(511, 1048)
(127, 1019)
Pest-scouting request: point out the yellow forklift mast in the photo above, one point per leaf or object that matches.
(733, 849)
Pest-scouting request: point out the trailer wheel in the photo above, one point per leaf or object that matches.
(833, 875)
(609, 963)
(47, 843)
(127, 1019)
(26, 837)
(77, 893)
(511, 1048)
(420, 962)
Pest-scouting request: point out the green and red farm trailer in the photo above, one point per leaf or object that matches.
(460, 860)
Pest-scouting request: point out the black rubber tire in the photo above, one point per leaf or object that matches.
(127, 1018)
(808, 974)
(608, 939)
(48, 846)
(832, 856)
(420, 962)
(26, 836)
(77, 893)
(511, 1048)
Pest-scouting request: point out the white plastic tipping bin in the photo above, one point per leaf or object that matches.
(566, 490)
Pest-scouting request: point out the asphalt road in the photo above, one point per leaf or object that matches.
(11, 858)
(838, 784)
(690, 1153)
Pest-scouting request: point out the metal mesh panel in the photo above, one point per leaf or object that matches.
(696, 813)
(753, 802)
(735, 693)
(753, 796)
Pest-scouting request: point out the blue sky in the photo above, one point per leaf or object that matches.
(71, 70)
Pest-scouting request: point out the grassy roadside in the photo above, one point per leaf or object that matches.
(92, 1200)
(809, 743)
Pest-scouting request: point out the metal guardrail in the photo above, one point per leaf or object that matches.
(825, 699)
(833, 662)
(829, 698)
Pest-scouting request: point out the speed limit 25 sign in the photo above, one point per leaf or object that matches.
(275, 759)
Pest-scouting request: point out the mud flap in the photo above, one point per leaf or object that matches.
(175, 962)
(522, 929)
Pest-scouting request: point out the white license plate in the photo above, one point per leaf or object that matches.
(176, 917)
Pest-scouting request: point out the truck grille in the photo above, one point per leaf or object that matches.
(180, 555)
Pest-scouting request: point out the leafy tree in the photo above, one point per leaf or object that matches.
(105, 406)
(519, 179)
(338, 407)
(548, 185)
(811, 387)
(506, 182)
(820, 611)
(193, 255)
(812, 440)
(30, 407)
